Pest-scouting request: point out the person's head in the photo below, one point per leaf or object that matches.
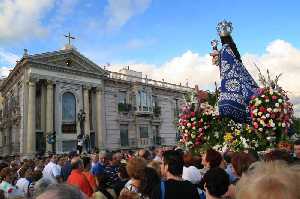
(227, 156)
(158, 151)
(61, 191)
(22, 170)
(86, 163)
(77, 164)
(36, 175)
(188, 159)
(297, 148)
(216, 182)
(116, 159)
(123, 172)
(53, 158)
(228, 40)
(144, 154)
(102, 157)
(72, 154)
(149, 181)
(156, 165)
(95, 158)
(241, 161)
(172, 163)
(211, 159)
(278, 154)
(129, 195)
(61, 161)
(136, 168)
(8, 175)
(273, 179)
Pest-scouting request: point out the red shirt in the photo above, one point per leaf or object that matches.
(90, 178)
(78, 179)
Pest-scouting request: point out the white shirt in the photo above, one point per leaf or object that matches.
(51, 171)
(23, 185)
(191, 174)
(157, 158)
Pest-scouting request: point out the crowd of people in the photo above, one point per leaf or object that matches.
(158, 173)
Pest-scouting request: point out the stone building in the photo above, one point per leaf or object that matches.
(44, 94)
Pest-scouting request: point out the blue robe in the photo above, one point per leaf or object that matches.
(237, 87)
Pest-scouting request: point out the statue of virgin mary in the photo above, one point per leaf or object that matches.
(237, 85)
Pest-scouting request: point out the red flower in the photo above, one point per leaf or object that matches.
(193, 114)
(255, 125)
(262, 109)
(274, 97)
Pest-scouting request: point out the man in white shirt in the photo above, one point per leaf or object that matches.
(52, 171)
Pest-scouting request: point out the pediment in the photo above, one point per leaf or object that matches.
(68, 59)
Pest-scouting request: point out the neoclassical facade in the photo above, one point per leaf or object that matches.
(44, 94)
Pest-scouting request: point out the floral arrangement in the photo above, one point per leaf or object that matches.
(238, 137)
(271, 112)
(197, 122)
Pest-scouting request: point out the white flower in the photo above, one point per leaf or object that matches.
(277, 104)
(194, 128)
(267, 115)
(267, 100)
(269, 109)
(183, 127)
(283, 124)
(189, 124)
(186, 131)
(271, 91)
(260, 129)
(280, 100)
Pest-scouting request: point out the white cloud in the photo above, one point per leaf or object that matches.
(22, 18)
(4, 71)
(120, 11)
(8, 57)
(279, 57)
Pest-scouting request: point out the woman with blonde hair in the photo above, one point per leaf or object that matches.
(270, 180)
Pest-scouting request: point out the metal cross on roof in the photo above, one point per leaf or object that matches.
(69, 37)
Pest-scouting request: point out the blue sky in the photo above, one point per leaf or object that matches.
(156, 30)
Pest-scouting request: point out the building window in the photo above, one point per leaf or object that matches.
(68, 113)
(144, 101)
(124, 135)
(122, 97)
(144, 132)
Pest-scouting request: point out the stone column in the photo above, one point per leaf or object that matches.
(31, 134)
(100, 137)
(86, 109)
(49, 113)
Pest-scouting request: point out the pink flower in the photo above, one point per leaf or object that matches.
(274, 97)
(255, 125)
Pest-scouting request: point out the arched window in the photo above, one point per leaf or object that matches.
(68, 108)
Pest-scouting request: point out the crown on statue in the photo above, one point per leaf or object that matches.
(224, 28)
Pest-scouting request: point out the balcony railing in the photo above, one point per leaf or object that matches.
(131, 142)
(121, 76)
